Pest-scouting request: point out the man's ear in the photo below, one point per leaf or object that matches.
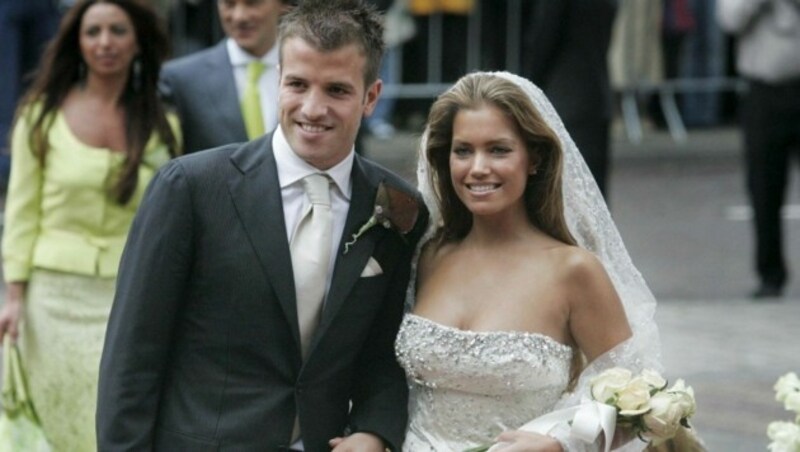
(371, 96)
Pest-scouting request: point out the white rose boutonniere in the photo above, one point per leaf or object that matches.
(394, 209)
(785, 436)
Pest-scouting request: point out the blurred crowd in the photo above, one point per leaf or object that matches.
(88, 115)
(646, 42)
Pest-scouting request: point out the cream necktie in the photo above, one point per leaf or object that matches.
(251, 101)
(311, 251)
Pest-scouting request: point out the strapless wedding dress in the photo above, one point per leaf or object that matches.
(467, 387)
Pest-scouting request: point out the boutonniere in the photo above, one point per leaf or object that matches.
(394, 209)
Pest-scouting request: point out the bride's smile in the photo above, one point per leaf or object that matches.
(489, 163)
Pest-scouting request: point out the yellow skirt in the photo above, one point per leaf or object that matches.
(64, 325)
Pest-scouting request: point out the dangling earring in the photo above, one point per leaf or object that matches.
(81, 73)
(531, 174)
(136, 82)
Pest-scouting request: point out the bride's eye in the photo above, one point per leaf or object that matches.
(460, 151)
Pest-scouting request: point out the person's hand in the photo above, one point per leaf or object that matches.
(12, 310)
(520, 441)
(357, 442)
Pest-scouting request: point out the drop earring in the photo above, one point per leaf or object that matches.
(136, 82)
(81, 73)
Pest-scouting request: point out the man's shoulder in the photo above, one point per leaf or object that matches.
(388, 176)
(189, 64)
(204, 162)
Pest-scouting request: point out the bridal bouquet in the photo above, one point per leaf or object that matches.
(785, 436)
(644, 404)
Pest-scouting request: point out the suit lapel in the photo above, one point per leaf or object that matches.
(349, 266)
(257, 197)
(223, 95)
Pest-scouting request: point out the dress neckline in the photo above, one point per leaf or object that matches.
(490, 333)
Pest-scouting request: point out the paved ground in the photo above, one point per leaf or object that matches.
(680, 209)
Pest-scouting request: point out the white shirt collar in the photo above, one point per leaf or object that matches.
(239, 57)
(291, 168)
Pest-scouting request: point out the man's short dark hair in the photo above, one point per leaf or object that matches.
(328, 25)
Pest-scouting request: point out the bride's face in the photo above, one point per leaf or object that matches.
(489, 163)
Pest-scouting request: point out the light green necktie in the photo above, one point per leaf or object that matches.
(251, 101)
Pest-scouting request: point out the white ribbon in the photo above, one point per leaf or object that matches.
(589, 419)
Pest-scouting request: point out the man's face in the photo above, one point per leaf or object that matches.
(253, 24)
(322, 100)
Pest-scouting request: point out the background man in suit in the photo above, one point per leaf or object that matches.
(209, 88)
(565, 53)
(206, 347)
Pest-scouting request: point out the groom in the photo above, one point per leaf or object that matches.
(246, 319)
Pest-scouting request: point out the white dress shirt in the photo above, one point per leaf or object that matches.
(291, 171)
(268, 83)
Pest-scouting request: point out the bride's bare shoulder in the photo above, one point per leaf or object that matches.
(431, 256)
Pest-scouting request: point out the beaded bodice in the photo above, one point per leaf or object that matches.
(467, 386)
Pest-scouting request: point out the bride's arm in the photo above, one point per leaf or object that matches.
(597, 320)
(598, 325)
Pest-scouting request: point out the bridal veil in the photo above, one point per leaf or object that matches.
(590, 223)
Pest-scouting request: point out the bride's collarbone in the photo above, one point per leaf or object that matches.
(477, 303)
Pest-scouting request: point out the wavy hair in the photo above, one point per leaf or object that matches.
(60, 71)
(543, 193)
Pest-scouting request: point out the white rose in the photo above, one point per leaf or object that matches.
(792, 402)
(634, 398)
(654, 379)
(787, 384)
(664, 418)
(683, 396)
(607, 385)
(785, 437)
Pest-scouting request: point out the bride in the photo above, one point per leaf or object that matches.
(524, 289)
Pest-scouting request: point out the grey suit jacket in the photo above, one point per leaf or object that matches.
(202, 88)
(202, 351)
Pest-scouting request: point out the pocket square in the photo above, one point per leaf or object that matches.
(373, 268)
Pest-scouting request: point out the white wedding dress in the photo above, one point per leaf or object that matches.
(467, 387)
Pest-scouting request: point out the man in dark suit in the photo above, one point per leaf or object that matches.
(206, 348)
(565, 52)
(206, 88)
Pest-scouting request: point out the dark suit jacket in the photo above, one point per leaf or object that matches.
(202, 350)
(566, 48)
(565, 54)
(202, 88)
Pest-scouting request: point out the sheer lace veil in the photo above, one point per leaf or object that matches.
(589, 221)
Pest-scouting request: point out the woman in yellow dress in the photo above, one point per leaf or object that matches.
(88, 138)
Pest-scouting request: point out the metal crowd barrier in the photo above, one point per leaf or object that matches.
(434, 84)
